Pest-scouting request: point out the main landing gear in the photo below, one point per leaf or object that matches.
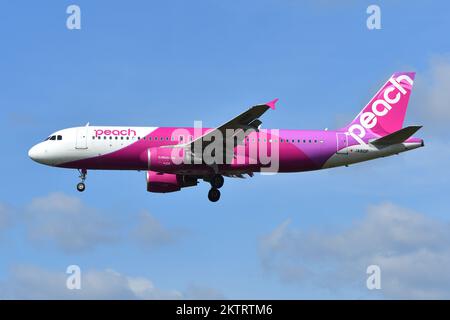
(214, 195)
(81, 186)
(216, 183)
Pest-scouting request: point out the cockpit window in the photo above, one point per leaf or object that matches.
(53, 138)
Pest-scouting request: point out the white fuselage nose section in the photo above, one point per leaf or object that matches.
(82, 143)
(39, 153)
(54, 151)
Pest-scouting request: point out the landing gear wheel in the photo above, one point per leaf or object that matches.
(81, 187)
(217, 181)
(214, 195)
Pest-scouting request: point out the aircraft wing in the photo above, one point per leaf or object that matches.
(243, 122)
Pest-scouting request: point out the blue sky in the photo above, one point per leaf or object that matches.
(149, 63)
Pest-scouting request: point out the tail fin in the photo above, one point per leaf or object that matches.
(385, 112)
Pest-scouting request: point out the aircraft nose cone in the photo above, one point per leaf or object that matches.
(37, 154)
(33, 154)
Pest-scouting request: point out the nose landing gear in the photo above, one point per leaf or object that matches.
(81, 186)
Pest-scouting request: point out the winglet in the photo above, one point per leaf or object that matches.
(272, 103)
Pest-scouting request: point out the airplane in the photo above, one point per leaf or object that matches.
(176, 157)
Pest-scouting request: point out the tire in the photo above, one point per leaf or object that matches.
(81, 187)
(214, 195)
(217, 181)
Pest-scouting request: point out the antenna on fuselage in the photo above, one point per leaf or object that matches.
(87, 124)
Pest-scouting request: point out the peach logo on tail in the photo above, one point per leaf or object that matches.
(115, 132)
(379, 108)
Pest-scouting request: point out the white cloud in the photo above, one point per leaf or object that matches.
(431, 97)
(31, 282)
(197, 292)
(72, 226)
(151, 233)
(412, 250)
(69, 224)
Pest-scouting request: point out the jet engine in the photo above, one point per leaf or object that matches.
(168, 182)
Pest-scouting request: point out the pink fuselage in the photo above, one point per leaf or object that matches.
(296, 150)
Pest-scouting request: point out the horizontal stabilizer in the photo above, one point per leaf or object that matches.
(396, 137)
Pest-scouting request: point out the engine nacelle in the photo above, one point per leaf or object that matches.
(163, 159)
(168, 182)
